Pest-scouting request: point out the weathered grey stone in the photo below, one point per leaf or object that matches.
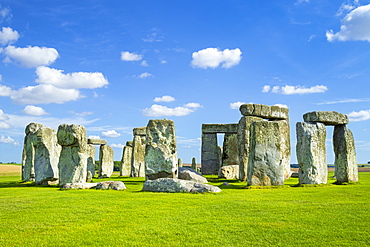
(192, 175)
(174, 185)
(96, 141)
(138, 152)
(230, 154)
(125, 166)
(264, 111)
(73, 157)
(106, 164)
(265, 161)
(219, 128)
(326, 117)
(285, 147)
(311, 153)
(28, 155)
(129, 143)
(194, 163)
(346, 169)
(74, 186)
(90, 162)
(229, 172)
(160, 150)
(209, 154)
(46, 155)
(179, 163)
(114, 185)
(243, 144)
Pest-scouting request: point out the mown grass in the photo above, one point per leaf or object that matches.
(332, 215)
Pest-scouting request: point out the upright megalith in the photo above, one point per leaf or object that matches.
(179, 163)
(265, 161)
(46, 159)
(125, 166)
(73, 157)
(346, 169)
(161, 150)
(90, 162)
(106, 164)
(194, 163)
(138, 152)
(311, 153)
(230, 155)
(28, 157)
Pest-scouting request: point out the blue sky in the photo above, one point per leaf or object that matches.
(113, 65)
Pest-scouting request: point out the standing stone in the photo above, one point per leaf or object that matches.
(194, 163)
(47, 152)
(265, 161)
(138, 152)
(311, 153)
(160, 151)
(346, 169)
(30, 140)
(106, 164)
(210, 157)
(179, 163)
(230, 155)
(90, 162)
(243, 144)
(125, 166)
(73, 157)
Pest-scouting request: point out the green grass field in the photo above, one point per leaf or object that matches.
(330, 215)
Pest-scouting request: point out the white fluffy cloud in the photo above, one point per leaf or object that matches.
(93, 137)
(213, 57)
(288, 90)
(5, 91)
(162, 111)
(7, 140)
(8, 36)
(236, 105)
(128, 56)
(355, 26)
(3, 116)
(359, 116)
(110, 133)
(34, 111)
(118, 145)
(74, 80)
(165, 98)
(31, 56)
(144, 75)
(44, 94)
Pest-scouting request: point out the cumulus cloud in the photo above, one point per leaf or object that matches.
(281, 105)
(5, 91)
(8, 36)
(128, 56)
(4, 125)
(3, 116)
(288, 90)
(34, 111)
(359, 116)
(74, 80)
(5, 13)
(44, 94)
(165, 98)
(93, 137)
(144, 75)
(118, 145)
(144, 63)
(162, 111)
(355, 26)
(110, 133)
(7, 140)
(236, 105)
(213, 57)
(31, 56)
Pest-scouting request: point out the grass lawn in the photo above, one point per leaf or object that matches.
(330, 215)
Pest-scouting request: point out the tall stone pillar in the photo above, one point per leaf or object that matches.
(161, 150)
(265, 160)
(346, 169)
(194, 163)
(90, 162)
(106, 164)
(30, 140)
(230, 155)
(73, 157)
(138, 152)
(125, 167)
(47, 152)
(311, 153)
(210, 158)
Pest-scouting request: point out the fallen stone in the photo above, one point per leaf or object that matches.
(265, 111)
(229, 172)
(70, 186)
(96, 141)
(326, 117)
(114, 185)
(174, 185)
(192, 175)
(160, 151)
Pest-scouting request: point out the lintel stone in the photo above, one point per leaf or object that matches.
(96, 141)
(219, 128)
(326, 117)
(139, 131)
(264, 111)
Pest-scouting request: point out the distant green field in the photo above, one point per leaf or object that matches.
(331, 215)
